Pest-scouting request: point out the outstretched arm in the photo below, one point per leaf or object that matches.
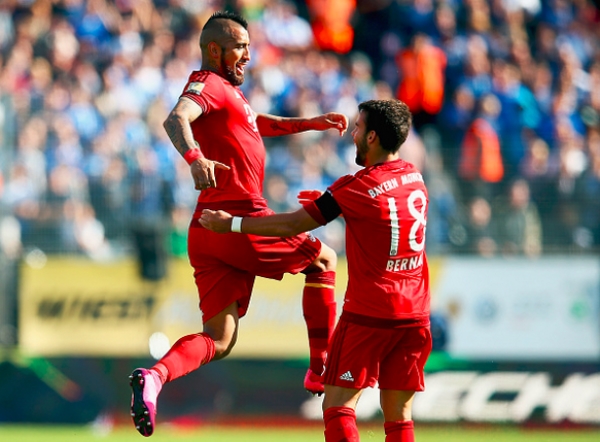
(279, 225)
(179, 129)
(274, 126)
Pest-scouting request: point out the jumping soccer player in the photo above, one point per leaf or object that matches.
(214, 128)
(383, 333)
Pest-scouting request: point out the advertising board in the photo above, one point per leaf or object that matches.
(518, 308)
(71, 307)
(545, 309)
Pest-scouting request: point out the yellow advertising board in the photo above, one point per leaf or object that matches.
(74, 307)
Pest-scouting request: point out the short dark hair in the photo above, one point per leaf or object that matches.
(390, 119)
(227, 15)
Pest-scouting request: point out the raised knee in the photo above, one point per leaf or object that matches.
(222, 349)
(330, 259)
(325, 262)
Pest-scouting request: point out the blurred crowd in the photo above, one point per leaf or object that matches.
(505, 96)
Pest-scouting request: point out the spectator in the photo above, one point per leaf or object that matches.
(152, 203)
(444, 229)
(454, 121)
(284, 28)
(540, 168)
(330, 20)
(422, 67)
(24, 199)
(480, 238)
(481, 166)
(518, 116)
(477, 67)
(384, 16)
(453, 42)
(519, 230)
(67, 190)
(108, 190)
(420, 17)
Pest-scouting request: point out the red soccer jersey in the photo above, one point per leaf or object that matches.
(227, 132)
(385, 209)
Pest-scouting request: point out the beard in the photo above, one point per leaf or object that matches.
(361, 146)
(230, 74)
(358, 160)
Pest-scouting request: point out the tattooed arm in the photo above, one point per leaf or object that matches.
(273, 126)
(178, 127)
(178, 124)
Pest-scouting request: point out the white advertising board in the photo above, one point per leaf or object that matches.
(513, 309)
(470, 396)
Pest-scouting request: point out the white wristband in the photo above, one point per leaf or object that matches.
(236, 224)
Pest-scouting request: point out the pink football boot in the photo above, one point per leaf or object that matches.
(145, 386)
(313, 383)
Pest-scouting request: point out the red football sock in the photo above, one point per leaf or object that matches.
(319, 307)
(186, 355)
(399, 431)
(340, 425)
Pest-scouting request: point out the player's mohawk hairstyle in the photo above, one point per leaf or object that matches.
(227, 15)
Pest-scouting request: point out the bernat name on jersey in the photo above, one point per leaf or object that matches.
(393, 183)
(403, 264)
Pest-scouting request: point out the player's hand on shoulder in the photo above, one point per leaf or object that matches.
(203, 172)
(216, 220)
(307, 196)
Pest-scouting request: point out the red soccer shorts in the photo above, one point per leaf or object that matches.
(226, 264)
(361, 356)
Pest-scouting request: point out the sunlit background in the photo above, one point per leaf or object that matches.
(95, 201)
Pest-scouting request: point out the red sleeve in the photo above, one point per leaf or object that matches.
(202, 89)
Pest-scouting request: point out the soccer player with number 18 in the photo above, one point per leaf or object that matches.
(383, 334)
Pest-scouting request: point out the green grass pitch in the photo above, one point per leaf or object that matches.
(370, 432)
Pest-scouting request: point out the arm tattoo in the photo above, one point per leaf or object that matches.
(178, 129)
